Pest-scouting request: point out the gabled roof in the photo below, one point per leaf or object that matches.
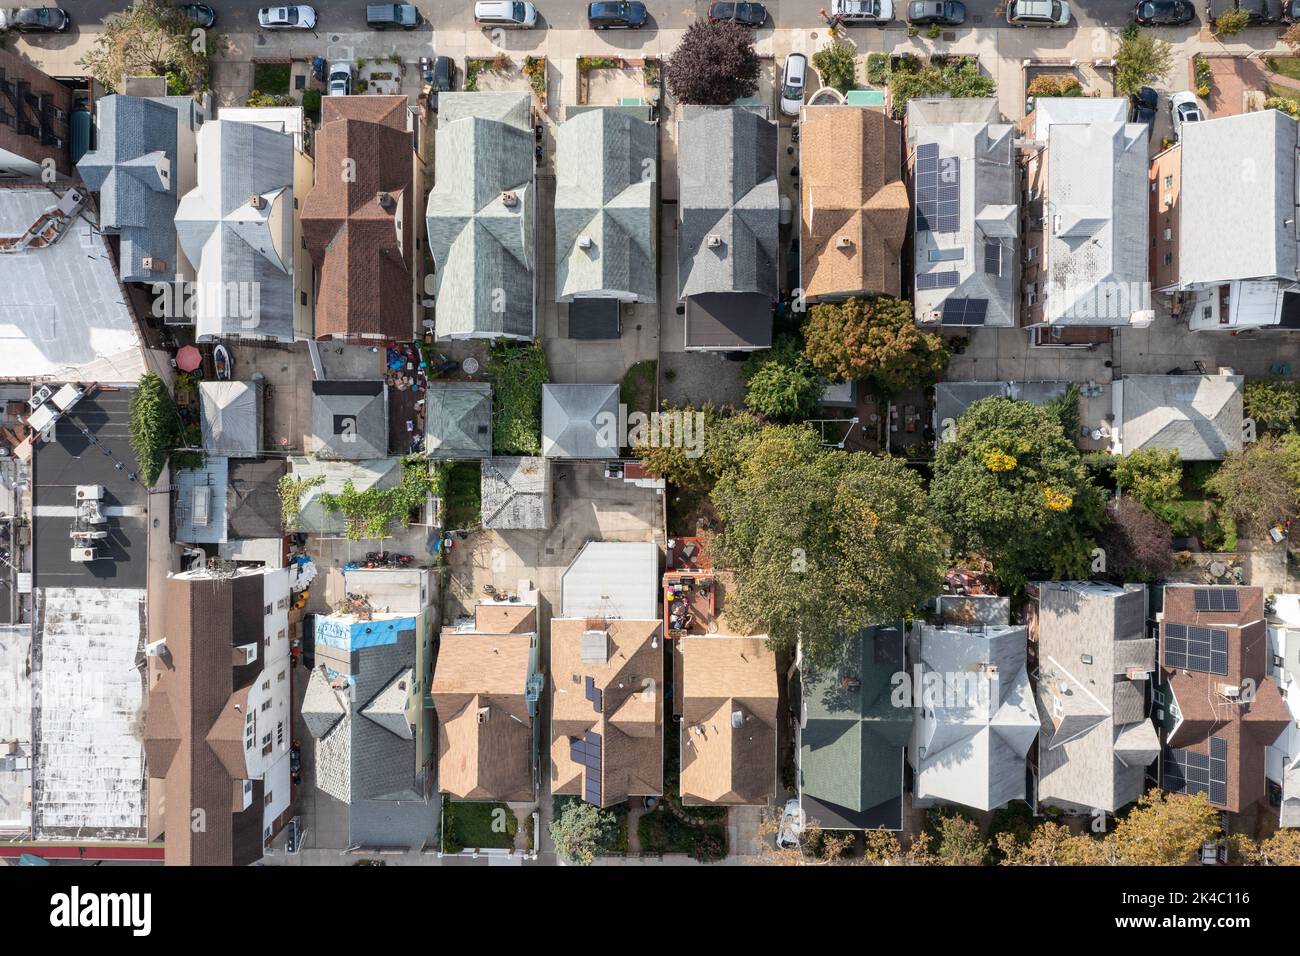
(484, 724)
(1199, 416)
(854, 209)
(970, 748)
(236, 228)
(1095, 741)
(1097, 200)
(605, 194)
(349, 419)
(853, 739)
(580, 421)
(133, 168)
(607, 709)
(726, 170)
(365, 263)
(729, 718)
(482, 243)
(515, 493)
(960, 149)
(1238, 226)
(458, 419)
(231, 418)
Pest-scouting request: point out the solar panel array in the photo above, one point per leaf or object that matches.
(1216, 599)
(595, 695)
(1189, 772)
(992, 257)
(938, 190)
(937, 280)
(585, 751)
(1193, 648)
(965, 311)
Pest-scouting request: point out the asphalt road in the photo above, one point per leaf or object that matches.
(240, 16)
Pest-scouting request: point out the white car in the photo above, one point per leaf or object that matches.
(1183, 108)
(1038, 13)
(862, 11)
(295, 16)
(791, 825)
(792, 83)
(340, 79)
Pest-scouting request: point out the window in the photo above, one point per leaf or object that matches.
(279, 679)
(280, 636)
(1169, 182)
(1169, 234)
(947, 255)
(266, 685)
(279, 733)
(1169, 258)
(267, 612)
(266, 705)
(302, 296)
(1031, 253)
(266, 801)
(266, 750)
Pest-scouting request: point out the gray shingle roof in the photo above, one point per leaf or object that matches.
(726, 170)
(580, 421)
(243, 254)
(951, 399)
(483, 247)
(515, 493)
(1198, 415)
(133, 168)
(605, 193)
(458, 419)
(350, 419)
(231, 418)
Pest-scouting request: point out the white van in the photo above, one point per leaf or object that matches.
(506, 14)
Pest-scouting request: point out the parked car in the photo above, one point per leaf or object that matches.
(787, 837)
(793, 78)
(200, 14)
(1144, 103)
(1291, 11)
(1258, 9)
(293, 17)
(1163, 13)
(851, 12)
(617, 15)
(392, 16)
(35, 19)
(746, 14)
(1183, 108)
(340, 81)
(1038, 13)
(441, 78)
(944, 13)
(506, 14)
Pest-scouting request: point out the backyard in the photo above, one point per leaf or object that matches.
(463, 491)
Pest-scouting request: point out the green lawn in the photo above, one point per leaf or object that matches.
(477, 826)
(464, 504)
(637, 390)
(517, 373)
(1288, 66)
(271, 78)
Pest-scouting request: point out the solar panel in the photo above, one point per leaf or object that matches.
(965, 311)
(1189, 772)
(595, 695)
(927, 151)
(1194, 648)
(1216, 599)
(992, 257)
(591, 791)
(937, 280)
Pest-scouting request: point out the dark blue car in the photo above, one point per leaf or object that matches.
(617, 15)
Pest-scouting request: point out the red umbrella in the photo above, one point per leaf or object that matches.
(189, 358)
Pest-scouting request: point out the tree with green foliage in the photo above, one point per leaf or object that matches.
(517, 373)
(1151, 475)
(960, 78)
(1066, 409)
(836, 65)
(1164, 829)
(1273, 404)
(580, 829)
(822, 543)
(714, 64)
(781, 383)
(874, 340)
(1136, 544)
(715, 435)
(372, 512)
(956, 838)
(1142, 59)
(152, 38)
(1257, 486)
(154, 427)
(1011, 487)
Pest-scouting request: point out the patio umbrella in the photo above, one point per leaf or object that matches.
(189, 358)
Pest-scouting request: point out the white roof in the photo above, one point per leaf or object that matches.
(617, 580)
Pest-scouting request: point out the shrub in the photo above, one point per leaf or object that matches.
(836, 65)
(714, 65)
(1151, 475)
(154, 427)
(1141, 59)
(517, 373)
(1231, 22)
(781, 383)
(961, 78)
(873, 339)
(877, 68)
(1054, 85)
(311, 104)
(1273, 404)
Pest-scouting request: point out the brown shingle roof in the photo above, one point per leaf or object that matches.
(629, 683)
(1247, 727)
(505, 618)
(852, 189)
(728, 731)
(484, 732)
(365, 268)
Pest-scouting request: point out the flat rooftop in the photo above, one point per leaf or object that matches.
(15, 724)
(63, 312)
(71, 459)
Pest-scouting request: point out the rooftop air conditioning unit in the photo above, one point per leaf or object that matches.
(155, 648)
(843, 242)
(82, 554)
(714, 241)
(509, 199)
(90, 492)
(43, 395)
(1231, 691)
